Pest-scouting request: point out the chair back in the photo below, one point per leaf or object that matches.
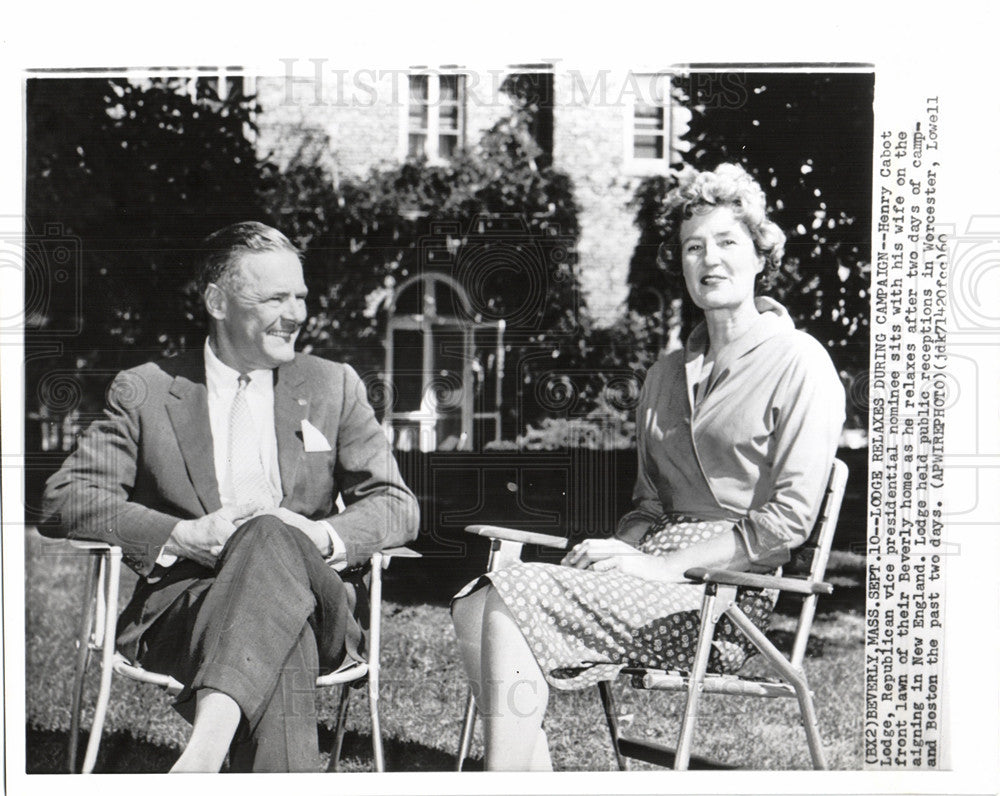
(810, 559)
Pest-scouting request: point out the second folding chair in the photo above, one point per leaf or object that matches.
(803, 577)
(98, 631)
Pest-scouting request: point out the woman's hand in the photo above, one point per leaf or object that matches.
(614, 555)
(585, 554)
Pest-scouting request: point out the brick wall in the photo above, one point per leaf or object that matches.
(301, 117)
(359, 112)
(589, 144)
(361, 116)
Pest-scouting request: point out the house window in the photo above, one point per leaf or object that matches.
(435, 115)
(650, 130)
(650, 135)
(533, 91)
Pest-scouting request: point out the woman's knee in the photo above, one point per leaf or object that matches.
(495, 608)
(467, 613)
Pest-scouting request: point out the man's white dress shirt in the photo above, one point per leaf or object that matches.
(222, 382)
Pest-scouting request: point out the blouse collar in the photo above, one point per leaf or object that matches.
(773, 320)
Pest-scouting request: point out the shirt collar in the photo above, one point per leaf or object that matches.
(773, 319)
(220, 377)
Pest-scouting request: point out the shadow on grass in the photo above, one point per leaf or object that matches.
(120, 753)
(123, 753)
(784, 641)
(844, 598)
(399, 755)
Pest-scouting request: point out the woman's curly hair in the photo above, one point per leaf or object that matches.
(729, 186)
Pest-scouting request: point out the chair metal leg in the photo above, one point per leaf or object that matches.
(793, 675)
(82, 659)
(811, 725)
(338, 738)
(377, 750)
(112, 573)
(611, 714)
(697, 679)
(468, 725)
(375, 635)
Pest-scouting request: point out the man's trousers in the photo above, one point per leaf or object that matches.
(273, 616)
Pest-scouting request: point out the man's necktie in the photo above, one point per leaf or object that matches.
(245, 467)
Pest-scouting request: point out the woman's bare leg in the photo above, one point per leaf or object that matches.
(215, 720)
(515, 695)
(510, 691)
(467, 616)
(541, 760)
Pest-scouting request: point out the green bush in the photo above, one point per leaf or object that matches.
(138, 174)
(135, 175)
(503, 227)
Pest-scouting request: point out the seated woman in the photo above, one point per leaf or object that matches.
(736, 436)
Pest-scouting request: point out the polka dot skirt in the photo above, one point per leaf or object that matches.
(584, 626)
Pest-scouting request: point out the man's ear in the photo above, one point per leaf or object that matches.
(215, 301)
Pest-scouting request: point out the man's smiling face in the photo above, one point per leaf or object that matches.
(259, 310)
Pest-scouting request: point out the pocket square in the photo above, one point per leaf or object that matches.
(313, 439)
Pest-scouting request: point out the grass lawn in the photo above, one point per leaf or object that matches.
(423, 689)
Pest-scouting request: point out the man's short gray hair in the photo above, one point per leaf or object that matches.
(223, 248)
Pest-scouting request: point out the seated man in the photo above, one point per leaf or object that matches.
(217, 472)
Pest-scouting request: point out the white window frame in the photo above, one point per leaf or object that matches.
(648, 166)
(433, 130)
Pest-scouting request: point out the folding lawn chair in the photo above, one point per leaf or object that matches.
(803, 576)
(98, 630)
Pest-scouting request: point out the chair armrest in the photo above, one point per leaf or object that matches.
(728, 577)
(521, 537)
(379, 559)
(399, 552)
(85, 544)
(390, 553)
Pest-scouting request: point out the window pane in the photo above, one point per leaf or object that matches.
(449, 87)
(649, 116)
(407, 377)
(449, 117)
(648, 146)
(416, 148)
(447, 144)
(535, 91)
(418, 117)
(418, 88)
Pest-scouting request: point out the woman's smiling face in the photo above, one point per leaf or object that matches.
(719, 259)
